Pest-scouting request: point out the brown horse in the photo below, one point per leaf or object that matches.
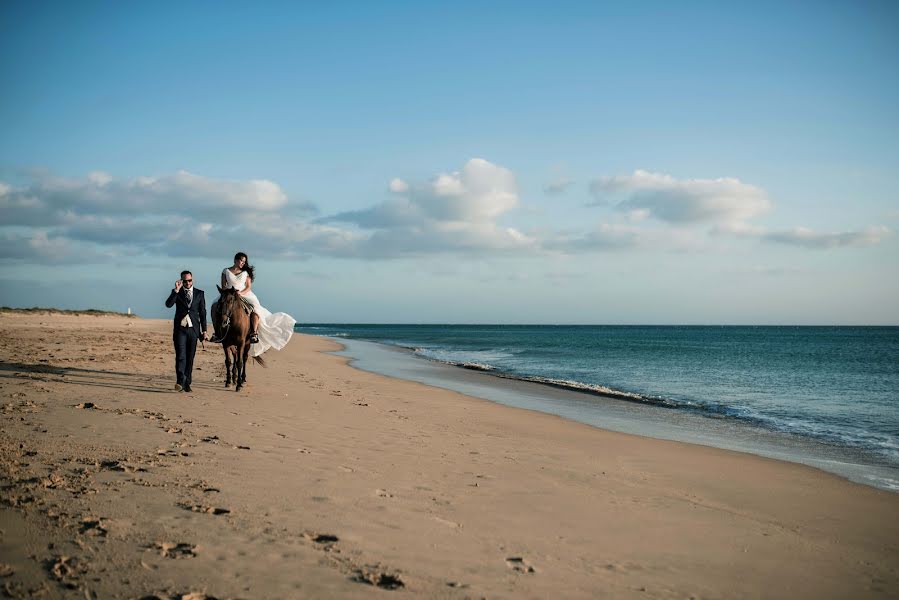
(232, 329)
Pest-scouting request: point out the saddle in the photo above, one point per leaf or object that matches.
(247, 305)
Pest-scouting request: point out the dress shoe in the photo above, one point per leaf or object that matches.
(187, 388)
(178, 387)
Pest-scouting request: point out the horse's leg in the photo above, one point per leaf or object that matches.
(227, 351)
(235, 367)
(246, 359)
(238, 365)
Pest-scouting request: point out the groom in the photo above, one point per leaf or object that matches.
(190, 325)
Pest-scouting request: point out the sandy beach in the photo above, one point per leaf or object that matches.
(322, 481)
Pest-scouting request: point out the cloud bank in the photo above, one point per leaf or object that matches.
(724, 200)
(809, 238)
(726, 203)
(469, 211)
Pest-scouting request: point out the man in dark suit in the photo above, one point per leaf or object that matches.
(190, 325)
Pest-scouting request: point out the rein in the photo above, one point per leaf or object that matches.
(219, 340)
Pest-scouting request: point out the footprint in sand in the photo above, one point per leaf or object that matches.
(65, 569)
(111, 465)
(175, 550)
(517, 563)
(383, 494)
(92, 526)
(212, 510)
(323, 541)
(373, 575)
(457, 585)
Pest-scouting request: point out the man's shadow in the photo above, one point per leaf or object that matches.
(138, 382)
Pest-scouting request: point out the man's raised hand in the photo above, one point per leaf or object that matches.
(178, 285)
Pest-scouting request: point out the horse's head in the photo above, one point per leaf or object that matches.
(229, 300)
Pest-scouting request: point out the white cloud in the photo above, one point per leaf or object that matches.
(637, 215)
(808, 238)
(39, 247)
(604, 237)
(180, 214)
(723, 200)
(557, 186)
(398, 186)
(99, 178)
(49, 200)
(479, 192)
(454, 211)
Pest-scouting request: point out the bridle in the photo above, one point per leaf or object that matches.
(226, 326)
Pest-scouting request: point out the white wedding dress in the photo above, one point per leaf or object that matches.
(275, 329)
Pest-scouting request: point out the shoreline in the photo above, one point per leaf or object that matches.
(624, 415)
(337, 480)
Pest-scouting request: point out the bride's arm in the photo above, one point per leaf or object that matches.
(248, 287)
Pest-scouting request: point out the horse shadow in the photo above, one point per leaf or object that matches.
(138, 382)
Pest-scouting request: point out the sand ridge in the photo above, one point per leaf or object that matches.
(318, 480)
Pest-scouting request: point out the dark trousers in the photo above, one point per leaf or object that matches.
(185, 339)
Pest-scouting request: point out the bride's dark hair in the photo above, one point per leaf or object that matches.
(246, 266)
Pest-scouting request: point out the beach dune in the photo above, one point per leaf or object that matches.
(319, 480)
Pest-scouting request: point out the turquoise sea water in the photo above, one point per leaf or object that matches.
(838, 386)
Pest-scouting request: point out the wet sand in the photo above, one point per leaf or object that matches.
(319, 480)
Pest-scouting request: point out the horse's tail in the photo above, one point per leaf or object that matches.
(260, 360)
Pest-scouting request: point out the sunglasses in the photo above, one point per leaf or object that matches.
(187, 280)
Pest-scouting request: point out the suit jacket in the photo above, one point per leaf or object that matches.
(197, 309)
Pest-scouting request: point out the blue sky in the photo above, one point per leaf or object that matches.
(554, 162)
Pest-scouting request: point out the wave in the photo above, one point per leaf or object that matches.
(474, 366)
(856, 439)
(579, 386)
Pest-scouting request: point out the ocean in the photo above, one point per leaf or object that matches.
(828, 392)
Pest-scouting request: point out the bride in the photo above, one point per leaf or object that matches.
(270, 330)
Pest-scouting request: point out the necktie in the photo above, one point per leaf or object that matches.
(190, 296)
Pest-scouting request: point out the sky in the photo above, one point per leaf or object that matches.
(464, 162)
